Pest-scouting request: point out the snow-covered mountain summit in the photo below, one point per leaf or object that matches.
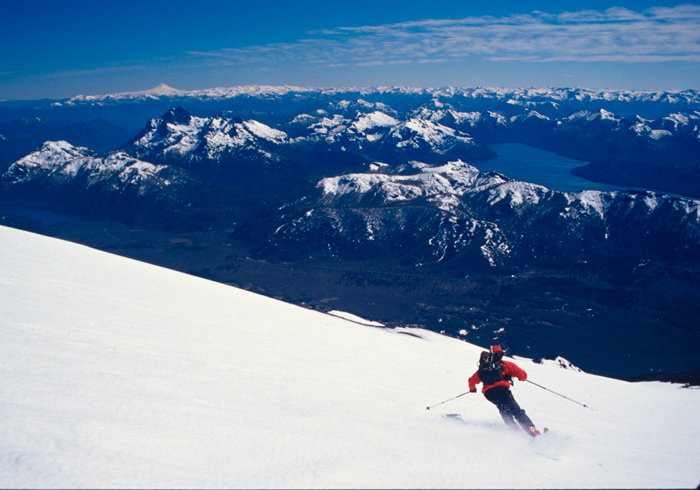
(120, 374)
(57, 162)
(453, 212)
(218, 147)
(382, 136)
(412, 181)
(161, 90)
(416, 137)
(116, 186)
(186, 137)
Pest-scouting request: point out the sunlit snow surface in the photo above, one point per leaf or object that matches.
(120, 374)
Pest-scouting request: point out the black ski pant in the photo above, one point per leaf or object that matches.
(509, 408)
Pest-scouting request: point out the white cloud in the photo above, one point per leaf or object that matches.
(618, 34)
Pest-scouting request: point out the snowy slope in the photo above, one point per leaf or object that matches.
(121, 374)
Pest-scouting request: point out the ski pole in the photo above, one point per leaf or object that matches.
(453, 398)
(558, 394)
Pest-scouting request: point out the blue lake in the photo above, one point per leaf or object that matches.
(525, 163)
(44, 215)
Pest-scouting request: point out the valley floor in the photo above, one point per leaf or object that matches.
(539, 313)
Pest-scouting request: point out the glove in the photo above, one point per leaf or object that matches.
(473, 390)
(508, 377)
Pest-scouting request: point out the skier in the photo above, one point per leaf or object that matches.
(497, 375)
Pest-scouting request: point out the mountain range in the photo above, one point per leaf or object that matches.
(338, 191)
(638, 139)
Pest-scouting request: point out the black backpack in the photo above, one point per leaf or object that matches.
(490, 368)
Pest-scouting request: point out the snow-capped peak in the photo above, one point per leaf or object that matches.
(60, 162)
(372, 121)
(178, 134)
(416, 132)
(437, 183)
(51, 155)
(161, 89)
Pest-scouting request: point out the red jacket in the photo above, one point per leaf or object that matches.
(506, 368)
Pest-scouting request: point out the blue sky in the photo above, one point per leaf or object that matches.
(62, 49)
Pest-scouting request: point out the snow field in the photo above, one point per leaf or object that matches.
(116, 373)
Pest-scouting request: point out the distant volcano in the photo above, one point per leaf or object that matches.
(161, 89)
